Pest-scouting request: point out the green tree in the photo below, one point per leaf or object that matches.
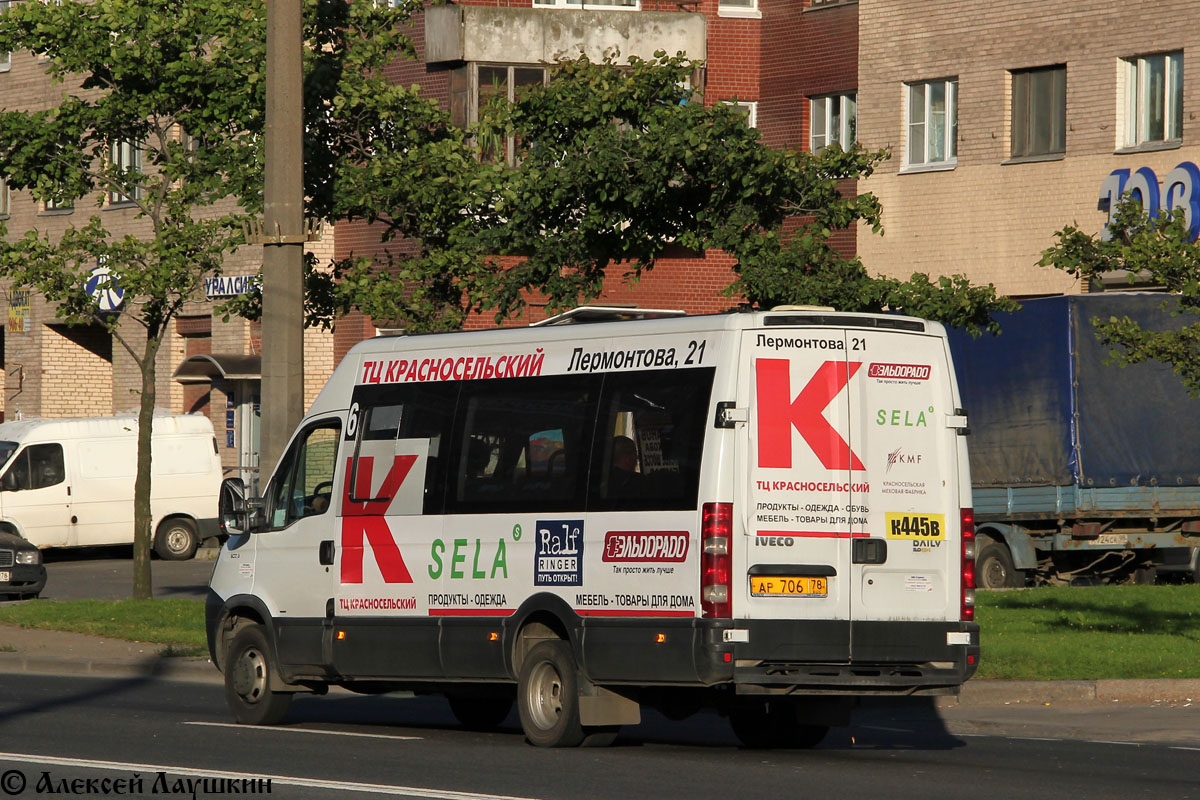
(614, 165)
(1157, 250)
(182, 82)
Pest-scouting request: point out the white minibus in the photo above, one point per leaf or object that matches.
(763, 513)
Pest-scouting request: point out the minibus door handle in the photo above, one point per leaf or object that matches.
(868, 551)
(325, 553)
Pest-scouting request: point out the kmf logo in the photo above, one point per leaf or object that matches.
(779, 412)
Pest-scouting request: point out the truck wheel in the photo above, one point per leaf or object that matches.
(479, 713)
(548, 696)
(248, 678)
(776, 726)
(994, 568)
(176, 540)
(1145, 576)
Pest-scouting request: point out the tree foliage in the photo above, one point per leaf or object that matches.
(185, 82)
(1156, 250)
(615, 165)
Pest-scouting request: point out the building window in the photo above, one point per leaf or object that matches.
(1039, 111)
(932, 121)
(739, 8)
(5, 198)
(59, 205)
(832, 120)
(126, 156)
(587, 5)
(477, 87)
(5, 58)
(1153, 99)
(748, 109)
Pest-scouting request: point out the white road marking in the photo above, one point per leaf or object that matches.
(1180, 747)
(303, 730)
(1103, 741)
(285, 780)
(1034, 738)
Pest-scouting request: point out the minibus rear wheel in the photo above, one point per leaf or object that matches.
(548, 696)
(774, 725)
(249, 674)
(479, 713)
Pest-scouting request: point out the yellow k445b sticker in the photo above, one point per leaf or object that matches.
(923, 527)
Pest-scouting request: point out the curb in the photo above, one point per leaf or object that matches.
(193, 670)
(997, 693)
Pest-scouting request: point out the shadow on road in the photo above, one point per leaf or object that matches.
(56, 555)
(883, 724)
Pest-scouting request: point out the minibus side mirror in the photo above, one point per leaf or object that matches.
(237, 512)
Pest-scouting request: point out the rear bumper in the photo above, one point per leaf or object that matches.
(784, 656)
(808, 657)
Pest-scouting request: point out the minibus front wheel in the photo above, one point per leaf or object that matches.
(250, 678)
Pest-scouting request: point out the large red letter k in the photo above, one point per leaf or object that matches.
(778, 412)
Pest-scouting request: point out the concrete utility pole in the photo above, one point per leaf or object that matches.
(283, 236)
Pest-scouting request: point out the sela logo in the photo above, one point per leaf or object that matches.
(902, 418)
(364, 519)
(779, 412)
(898, 456)
(908, 372)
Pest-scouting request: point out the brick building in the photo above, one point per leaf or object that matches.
(205, 365)
(1007, 122)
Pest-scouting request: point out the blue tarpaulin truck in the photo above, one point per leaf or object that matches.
(1081, 469)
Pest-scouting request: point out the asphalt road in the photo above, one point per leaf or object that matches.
(106, 573)
(80, 728)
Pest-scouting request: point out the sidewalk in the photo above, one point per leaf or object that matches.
(62, 653)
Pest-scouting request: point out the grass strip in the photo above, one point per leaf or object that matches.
(176, 622)
(1051, 633)
(1090, 633)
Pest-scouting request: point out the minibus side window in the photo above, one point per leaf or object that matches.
(523, 444)
(649, 440)
(303, 485)
(423, 411)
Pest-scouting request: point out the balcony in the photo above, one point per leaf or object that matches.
(455, 33)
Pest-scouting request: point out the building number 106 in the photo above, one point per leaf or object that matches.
(1180, 189)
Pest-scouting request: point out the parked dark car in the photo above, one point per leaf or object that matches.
(22, 574)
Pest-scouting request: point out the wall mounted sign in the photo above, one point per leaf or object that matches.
(1180, 189)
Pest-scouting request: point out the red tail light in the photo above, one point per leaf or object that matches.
(716, 578)
(968, 564)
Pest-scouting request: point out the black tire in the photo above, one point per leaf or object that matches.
(479, 713)
(548, 696)
(774, 727)
(176, 540)
(1145, 576)
(994, 568)
(249, 668)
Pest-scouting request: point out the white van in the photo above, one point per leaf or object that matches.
(69, 482)
(764, 513)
